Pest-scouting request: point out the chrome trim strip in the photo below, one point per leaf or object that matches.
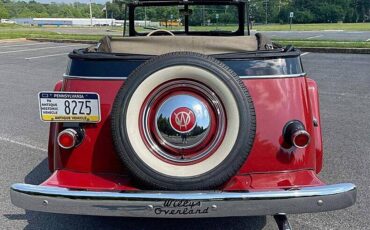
(241, 77)
(274, 76)
(92, 77)
(194, 204)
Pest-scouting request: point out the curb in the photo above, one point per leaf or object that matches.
(12, 40)
(62, 40)
(303, 49)
(335, 50)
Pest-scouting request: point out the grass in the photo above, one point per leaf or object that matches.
(3, 25)
(315, 27)
(67, 36)
(194, 28)
(285, 27)
(35, 33)
(15, 31)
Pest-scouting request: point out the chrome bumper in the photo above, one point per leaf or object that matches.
(183, 204)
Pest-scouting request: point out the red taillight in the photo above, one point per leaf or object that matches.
(300, 139)
(295, 134)
(67, 138)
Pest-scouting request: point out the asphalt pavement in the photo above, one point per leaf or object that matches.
(337, 35)
(29, 67)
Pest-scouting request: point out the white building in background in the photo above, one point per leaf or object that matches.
(146, 23)
(79, 22)
(65, 21)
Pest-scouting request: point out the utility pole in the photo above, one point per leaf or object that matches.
(217, 16)
(266, 2)
(291, 15)
(112, 17)
(171, 16)
(247, 13)
(91, 22)
(144, 16)
(279, 6)
(203, 21)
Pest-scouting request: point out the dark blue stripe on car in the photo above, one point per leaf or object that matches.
(242, 67)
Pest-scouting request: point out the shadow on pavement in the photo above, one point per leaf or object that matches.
(39, 174)
(39, 220)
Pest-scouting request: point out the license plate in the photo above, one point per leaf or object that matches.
(69, 107)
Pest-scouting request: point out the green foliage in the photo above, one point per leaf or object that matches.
(271, 11)
(3, 11)
(33, 9)
(304, 16)
(329, 13)
(308, 11)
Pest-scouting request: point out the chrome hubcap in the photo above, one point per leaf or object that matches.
(183, 121)
(184, 126)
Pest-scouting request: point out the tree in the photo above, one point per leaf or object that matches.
(304, 16)
(305, 11)
(113, 10)
(3, 12)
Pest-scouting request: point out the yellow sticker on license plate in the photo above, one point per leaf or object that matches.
(69, 107)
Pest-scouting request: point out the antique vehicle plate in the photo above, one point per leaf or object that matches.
(69, 107)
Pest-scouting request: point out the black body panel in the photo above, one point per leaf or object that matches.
(244, 64)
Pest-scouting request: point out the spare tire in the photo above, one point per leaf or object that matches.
(183, 121)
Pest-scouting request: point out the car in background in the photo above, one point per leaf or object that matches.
(6, 21)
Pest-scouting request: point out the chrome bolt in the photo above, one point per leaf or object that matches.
(150, 206)
(315, 122)
(214, 206)
(320, 202)
(45, 202)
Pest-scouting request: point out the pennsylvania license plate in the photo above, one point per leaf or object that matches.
(69, 107)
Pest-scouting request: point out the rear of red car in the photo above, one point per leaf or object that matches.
(272, 162)
(191, 127)
(278, 175)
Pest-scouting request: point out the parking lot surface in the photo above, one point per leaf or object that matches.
(29, 67)
(337, 35)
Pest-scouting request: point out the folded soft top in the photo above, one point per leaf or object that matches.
(157, 45)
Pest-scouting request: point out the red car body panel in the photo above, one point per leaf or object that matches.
(314, 98)
(95, 165)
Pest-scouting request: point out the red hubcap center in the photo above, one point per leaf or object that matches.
(183, 120)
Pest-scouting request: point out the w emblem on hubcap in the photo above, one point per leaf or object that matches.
(183, 120)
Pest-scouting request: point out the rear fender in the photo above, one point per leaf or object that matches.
(53, 132)
(315, 107)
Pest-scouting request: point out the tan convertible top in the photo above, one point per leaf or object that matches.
(157, 45)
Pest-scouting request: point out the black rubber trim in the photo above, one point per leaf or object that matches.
(82, 54)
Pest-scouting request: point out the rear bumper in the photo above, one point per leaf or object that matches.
(183, 204)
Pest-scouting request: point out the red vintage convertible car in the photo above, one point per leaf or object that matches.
(193, 122)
